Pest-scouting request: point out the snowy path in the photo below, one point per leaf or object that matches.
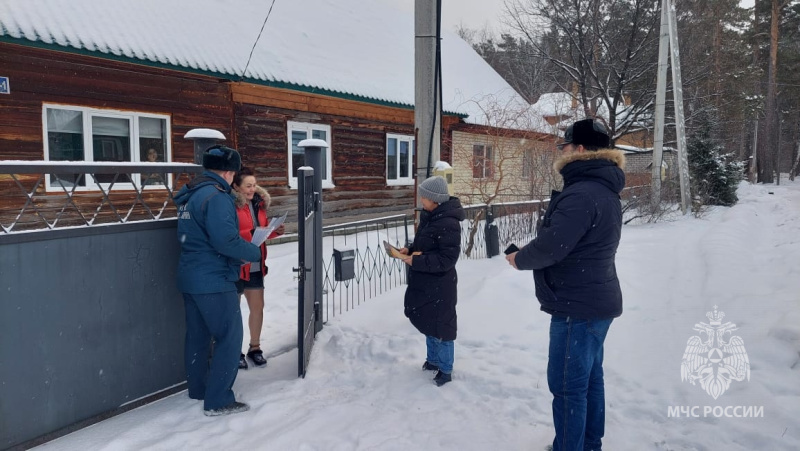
(364, 389)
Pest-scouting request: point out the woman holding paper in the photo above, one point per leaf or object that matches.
(252, 202)
(432, 292)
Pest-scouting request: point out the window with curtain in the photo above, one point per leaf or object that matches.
(298, 131)
(482, 164)
(111, 141)
(399, 159)
(527, 163)
(153, 147)
(95, 135)
(65, 141)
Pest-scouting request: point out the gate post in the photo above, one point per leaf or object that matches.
(492, 234)
(314, 158)
(203, 139)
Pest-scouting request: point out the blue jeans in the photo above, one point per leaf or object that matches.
(440, 353)
(575, 378)
(217, 316)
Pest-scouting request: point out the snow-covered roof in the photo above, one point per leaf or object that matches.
(555, 104)
(634, 150)
(559, 105)
(354, 48)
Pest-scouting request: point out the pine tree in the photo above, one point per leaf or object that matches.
(714, 173)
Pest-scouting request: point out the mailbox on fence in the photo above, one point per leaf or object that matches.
(344, 264)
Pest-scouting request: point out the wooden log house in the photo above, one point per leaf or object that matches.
(97, 94)
(254, 119)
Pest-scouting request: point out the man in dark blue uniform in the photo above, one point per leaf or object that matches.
(572, 258)
(212, 252)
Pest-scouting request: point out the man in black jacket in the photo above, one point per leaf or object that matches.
(572, 258)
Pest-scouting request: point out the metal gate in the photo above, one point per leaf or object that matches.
(307, 208)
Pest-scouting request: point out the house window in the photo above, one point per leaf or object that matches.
(527, 163)
(482, 165)
(399, 159)
(298, 131)
(93, 135)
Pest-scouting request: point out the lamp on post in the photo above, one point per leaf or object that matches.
(203, 139)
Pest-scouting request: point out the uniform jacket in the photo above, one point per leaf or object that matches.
(431, 296)
(211, 249)
(261, 201)
(572, 256)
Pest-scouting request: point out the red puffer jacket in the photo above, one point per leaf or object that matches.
(261, 201)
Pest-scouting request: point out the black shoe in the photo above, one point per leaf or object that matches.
(234, 407)
(442, 378)
(257, 356)
(242, 362)
(428, 366)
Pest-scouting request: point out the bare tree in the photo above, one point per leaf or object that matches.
(606, 48)
(514, 59)
(501, 160)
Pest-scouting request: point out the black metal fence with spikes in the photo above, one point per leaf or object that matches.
(376, 272)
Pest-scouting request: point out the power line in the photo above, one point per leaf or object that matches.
(259, 37)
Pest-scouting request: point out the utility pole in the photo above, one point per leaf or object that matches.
(427, 87)
(668, 10)
(661, 96)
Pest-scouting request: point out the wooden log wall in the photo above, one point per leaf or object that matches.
(253, 118)
(39, 76)
(358, 142)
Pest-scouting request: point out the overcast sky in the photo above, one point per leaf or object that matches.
(473, 14)
(476, 14)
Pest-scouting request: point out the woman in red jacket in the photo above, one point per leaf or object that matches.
(252, 202)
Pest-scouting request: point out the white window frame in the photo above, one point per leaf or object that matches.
(527, 163)
(327, 178)
(401, 181)
(88, 154)
(484, 167)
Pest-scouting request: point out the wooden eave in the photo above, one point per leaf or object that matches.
(504, 132)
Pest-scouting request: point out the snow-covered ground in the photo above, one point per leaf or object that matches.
(365, 390)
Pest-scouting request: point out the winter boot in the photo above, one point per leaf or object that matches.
(257, 356)
(428, 366)
(442, 378)
(234, 407)
(242, 362)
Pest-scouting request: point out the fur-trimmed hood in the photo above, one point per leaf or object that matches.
(602, 166)
(613, 155)
(241, 201)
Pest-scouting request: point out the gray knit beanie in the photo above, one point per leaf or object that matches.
(435, 189)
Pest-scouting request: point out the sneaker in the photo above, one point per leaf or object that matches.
(257, 356)
(442, 378)
(242, 362)
(234, 407)
(428, 366)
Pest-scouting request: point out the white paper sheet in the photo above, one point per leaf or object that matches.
(262, 233)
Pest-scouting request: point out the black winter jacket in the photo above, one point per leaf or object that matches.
(572, 256)
(431, 296)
